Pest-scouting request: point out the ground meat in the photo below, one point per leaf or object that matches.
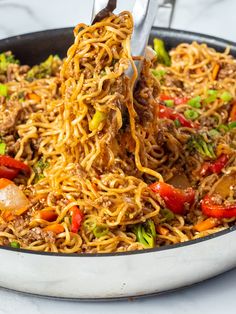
(9, 113)
(173, 82)
(226, 70)
(37, 234)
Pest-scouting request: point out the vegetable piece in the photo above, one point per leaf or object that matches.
(175, 199)
(90, 223)
(232, 125)
(12, 199)
(212, 96)
(169, 103)
(100, 231)
(42, 70)
(177, 123)
(211, 209)
(8, 173)
(47, 214)
(224, 184)
(223, 127)
(33, 96)
(161, 230)
(177, 100)
(179, 181)
(158, 73)
(9, 162)
(39, 168)
(214, 133)
(215, 71)
(171, 114)
(197, 142)
(55, 228)
(195, 102)
(2, 148)
(226, 96)
(98, 117)
(167, 214)
(6, 58)
(162, 55)
(180, 100)
(219, 164)
(145, 233)
(214, 167)
(15, 244)
(3, 90)
(77, 217)
(232, 116)
(207, 224)
(191, 114)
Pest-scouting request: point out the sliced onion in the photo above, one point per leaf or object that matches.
(12, 198)
(223, 186)
(179, 181)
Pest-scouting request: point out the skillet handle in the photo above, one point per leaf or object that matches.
(165, 13)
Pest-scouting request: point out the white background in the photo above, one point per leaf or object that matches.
(214, 17)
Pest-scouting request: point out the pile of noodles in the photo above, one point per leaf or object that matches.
(106, 169)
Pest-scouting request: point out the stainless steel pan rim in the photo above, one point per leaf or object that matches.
(157, 249)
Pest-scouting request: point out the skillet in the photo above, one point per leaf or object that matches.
(112, 275)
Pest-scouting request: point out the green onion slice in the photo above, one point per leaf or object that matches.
(226, 96)
(169, 103)
(232, 125)
(191, 114)
(2, 148)
(3, 90)
(195, 102)
(15, 244)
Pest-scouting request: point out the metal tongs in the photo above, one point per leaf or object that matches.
(144, 13)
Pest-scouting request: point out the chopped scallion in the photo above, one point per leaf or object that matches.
(177, 123)
(195, 102)
(15, 244)
(167, 214)
(226, 96)
(169, 102)
(232, 125)
(212, 92)
(158, 73)
(214, 133)
(212, 95)
(100, 231)
(2, 148)
(3, 90)
(191, 114)
(223, 127)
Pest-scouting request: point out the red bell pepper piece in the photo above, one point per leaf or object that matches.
(233, 112)
(180, 101)
(77, 217)
(177, 100)
(214, 167)
(209, 208)
(169, 113)
(175, 199)
(12, 163)
(8, 173)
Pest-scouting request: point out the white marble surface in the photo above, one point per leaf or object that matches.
(214, 17)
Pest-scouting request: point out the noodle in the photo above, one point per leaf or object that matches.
(98, 143)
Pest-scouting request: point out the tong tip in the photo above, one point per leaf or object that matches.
(111, 6)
